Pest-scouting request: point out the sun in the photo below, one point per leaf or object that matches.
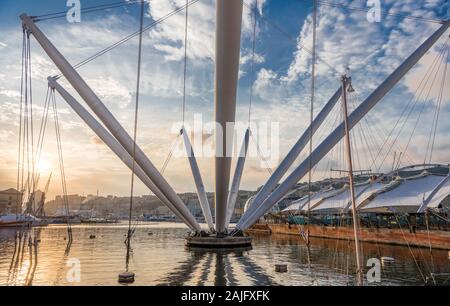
(43, 166)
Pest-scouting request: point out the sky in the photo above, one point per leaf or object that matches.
(279, 85)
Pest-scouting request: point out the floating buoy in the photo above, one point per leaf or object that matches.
(126, 277)
(281, 268)
(92, 237)
(386, 260)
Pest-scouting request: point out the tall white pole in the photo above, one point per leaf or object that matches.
(228, 45)
(127, 159)
(234, 191)
(201, 192)
(103, 113)
(256, 212)
(359, 269)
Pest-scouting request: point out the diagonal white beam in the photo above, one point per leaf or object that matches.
(201, 192)
(338, 133)
(281, 170)
(234, 191)
(103, 113)
(427, 201)
(126, 158)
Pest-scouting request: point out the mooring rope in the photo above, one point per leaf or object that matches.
(138, 83)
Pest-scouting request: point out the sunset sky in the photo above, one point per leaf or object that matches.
(281, 83)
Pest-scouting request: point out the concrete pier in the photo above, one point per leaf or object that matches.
(213, 242)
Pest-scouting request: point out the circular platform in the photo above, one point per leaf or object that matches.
(212, 242)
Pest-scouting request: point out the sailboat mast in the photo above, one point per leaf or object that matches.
(359, 271)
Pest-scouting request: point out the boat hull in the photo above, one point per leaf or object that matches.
(434, 239)
(15, 224)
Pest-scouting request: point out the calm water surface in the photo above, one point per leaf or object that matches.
(159, 257)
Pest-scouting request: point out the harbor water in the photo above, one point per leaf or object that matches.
(41, 256)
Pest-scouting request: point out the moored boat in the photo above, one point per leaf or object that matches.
(20, 220)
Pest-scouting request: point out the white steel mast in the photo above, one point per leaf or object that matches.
(359, 270)
(228, 45)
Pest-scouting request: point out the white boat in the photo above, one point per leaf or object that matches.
(13, 220)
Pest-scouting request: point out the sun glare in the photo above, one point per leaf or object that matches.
(43, 166)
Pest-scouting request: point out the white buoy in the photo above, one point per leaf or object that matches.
(281, 268)
(126, 277)
(387, 260)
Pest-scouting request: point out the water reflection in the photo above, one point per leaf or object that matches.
(203, 265)
(39, 256)
(24, 259)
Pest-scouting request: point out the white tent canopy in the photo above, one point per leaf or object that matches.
(401, 195)
(341, 201)
(407, 196)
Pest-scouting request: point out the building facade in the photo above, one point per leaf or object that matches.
(10, 201)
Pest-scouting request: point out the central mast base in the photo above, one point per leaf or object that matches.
(213, 242)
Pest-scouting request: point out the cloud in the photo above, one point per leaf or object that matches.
(168, 36)
(111, 90)
(13, 94)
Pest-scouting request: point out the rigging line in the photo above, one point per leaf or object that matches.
(355, 139)
(370, 122)
(61, 166)
(42, 130)
(444, 77)
(260, 155)
(33, 161)
(359, 134)
(24, 115)
(290, 37)
(383, 13)
(372, 131)
(85, 10)
(368, 150)
(169, 156)
(185, 61)
(426, 101)
(437, 60)
(27, 114)
(426, 76)
(30, 97)
(19, 164)
(311, 119)
(395, 213)
(429, 243)
(252, 69)
(138, 83)
(127, 38)
(37, 153)
(436, 111)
